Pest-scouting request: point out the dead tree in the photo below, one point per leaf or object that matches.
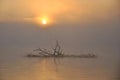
(43, 52)
(57, 50)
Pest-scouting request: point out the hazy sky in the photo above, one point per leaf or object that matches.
(76, 23)
(56, 10)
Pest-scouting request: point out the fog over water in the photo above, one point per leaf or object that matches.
(92, 30)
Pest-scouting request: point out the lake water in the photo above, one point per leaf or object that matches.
(17, 67)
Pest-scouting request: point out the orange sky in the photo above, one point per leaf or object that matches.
(56, 10)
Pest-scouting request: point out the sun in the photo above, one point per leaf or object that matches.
(44, 21)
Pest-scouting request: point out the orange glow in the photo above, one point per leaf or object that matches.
(44, 21)
(68, 11)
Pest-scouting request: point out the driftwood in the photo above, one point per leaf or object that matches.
(43, 52)
(57, 52)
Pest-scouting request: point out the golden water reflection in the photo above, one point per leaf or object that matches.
(59, 69)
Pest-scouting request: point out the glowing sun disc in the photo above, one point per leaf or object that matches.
(44, 21)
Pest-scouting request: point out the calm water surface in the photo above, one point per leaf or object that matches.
(18, 67)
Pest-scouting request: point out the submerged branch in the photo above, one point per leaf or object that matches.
(58, 52)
